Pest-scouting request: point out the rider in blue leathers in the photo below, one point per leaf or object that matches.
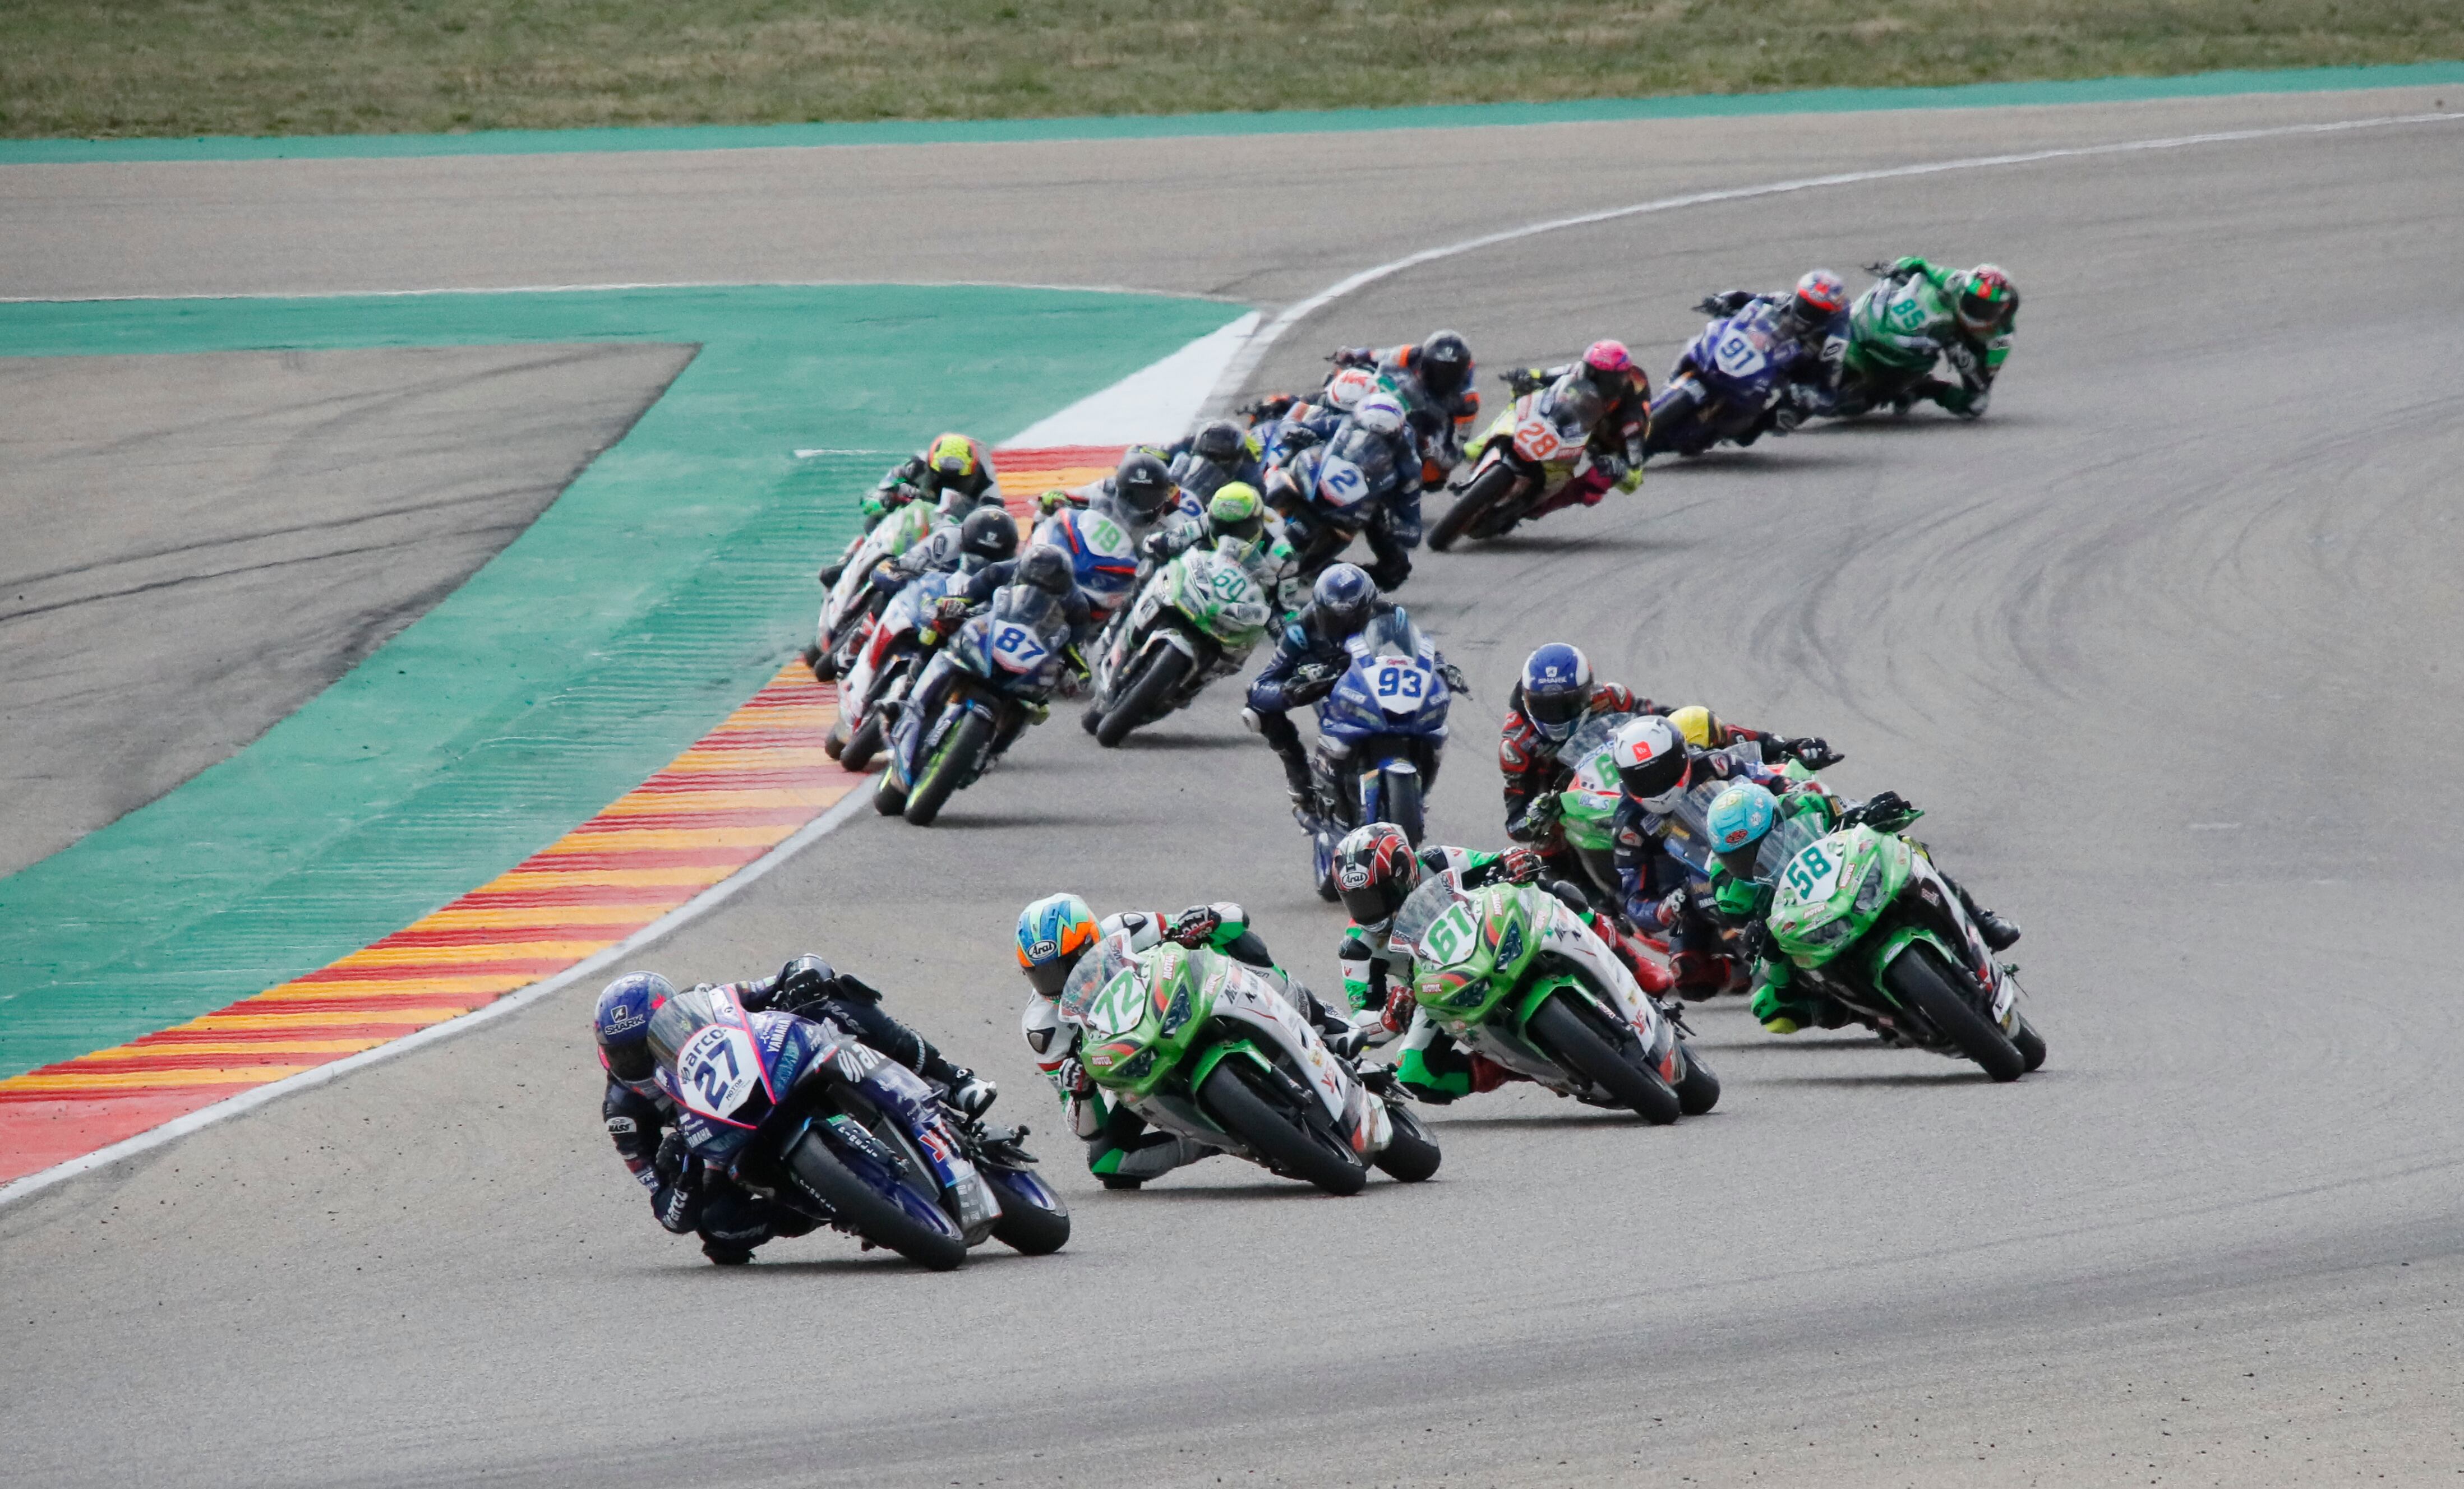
(1309, 659)
(1225, 444)
(1815, 317)
(686, 1195)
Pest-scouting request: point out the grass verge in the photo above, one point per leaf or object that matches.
(263, 67)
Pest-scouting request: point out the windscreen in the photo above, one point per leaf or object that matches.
(1199, 478)
(1374, 457)
(1572, 406)
(1591, 737)
(1427, 903)
(1391, 635)
(1026, 605)
(678, 1020)
(1097, 968)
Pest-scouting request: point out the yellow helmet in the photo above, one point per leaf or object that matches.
(1699, 726)
(953, 456)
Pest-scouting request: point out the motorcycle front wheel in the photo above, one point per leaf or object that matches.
(1918, 980)
(1285, 1139)
(1410, 1155)
(1487, 489)
(1399, 798)
(875, 1215)
(863, 744)
(1145, 697)
(960, 748)
(1569, 1038)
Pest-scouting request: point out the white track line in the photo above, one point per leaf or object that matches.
(692, 909)
(1243, 363)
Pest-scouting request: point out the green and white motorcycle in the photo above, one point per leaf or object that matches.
(1587, 806)
(1194, 621)
(1864, 918)
(1511, 973)
(1204, 1046)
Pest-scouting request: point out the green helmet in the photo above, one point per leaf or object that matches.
(1982, 297)
(1236, 510)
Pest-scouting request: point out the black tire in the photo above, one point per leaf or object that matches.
(812, 653)
(959, 751)
(1568, 1037)
(1401, 795)
(1295, 1148)
(888, 798)
(1144, 699)
(863, 744)
(1920, 982)
(1025, 1226)
(1486, 490)
(2030, 1044)
(1092, 715)
(1412, 1155)
(869, 1213)
(1699, 1090)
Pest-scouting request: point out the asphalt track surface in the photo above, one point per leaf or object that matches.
(2163, 645)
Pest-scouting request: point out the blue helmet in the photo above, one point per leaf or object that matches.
(621, 1024)
(1343, 594)
(1738, 818)
(1556, 685)
(1052, 933)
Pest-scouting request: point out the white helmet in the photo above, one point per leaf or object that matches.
(1381, 415)
(1651, 761)
(1348, 387)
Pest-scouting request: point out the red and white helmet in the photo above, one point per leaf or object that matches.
(1651, 761)
(1347, 388)
(1821, 296)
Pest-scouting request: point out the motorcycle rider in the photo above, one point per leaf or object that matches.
(1656, 765)
(1813, 319)
(1554, 694)
(1739, 820)
(988, 536)
(1434, 379)
(1139, 494)
(1222, 443)
(1616, 439)
(1053, 934)
(1235, 510)
(1975, 336)
(1290, 425)
(954, 472)
(1309, 659)
(687, 1196)
(1376, 871)
(1393, 527)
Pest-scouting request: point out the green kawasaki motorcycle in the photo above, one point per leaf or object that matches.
(1201, 1045)
(1586, 807)
(1866, 919)
(1511, 973)
(1194, 621)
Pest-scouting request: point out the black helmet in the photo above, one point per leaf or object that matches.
(1220, 442)
(1049, 569)
(1446, 364)
(988, 534)
(1143, 484)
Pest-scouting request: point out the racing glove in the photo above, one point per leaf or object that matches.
(1193, 927)
(1536, 819)
(1352, 356)
(1884, 811)
(1519, 866)
(1311, 681)
(1072, 1079)
(1813, 751)
(669, 1163)
(1455, 680)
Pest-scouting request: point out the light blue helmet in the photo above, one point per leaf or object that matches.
(1738, 818)
(1052, 933)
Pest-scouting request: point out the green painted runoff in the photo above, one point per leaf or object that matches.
(749, 137)
(658, 591)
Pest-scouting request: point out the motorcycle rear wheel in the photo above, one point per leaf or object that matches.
(861, 745)
(1410, 1155)
(1025, 1226)
(1699, 1090)
(870, 1214)
(1285, 1140)
(959, 751)
(1917, 978)
(1568, 1037)
(1486, 490)
(1144, 699)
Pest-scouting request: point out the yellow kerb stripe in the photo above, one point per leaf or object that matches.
(630, 839)
(489, 952)
(374, 987)
(148, 1080)
(543, 917)
(407, 1017)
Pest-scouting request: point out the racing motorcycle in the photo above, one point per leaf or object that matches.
(794, 1111)
(1586, 807)
(1202, 1046)
(886, 666)
(1380, 734)
(1511, 973)
(1865, 918)
(854, 597)
(1197, 620)
(1897, 330)
(1101, 554)
(1536, 446)
(988, 681)
(1323, 497)
(1725, 381)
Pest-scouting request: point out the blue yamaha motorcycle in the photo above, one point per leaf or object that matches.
(1725, 381)
(796, 1111)
(984, 684)
(1380, 734)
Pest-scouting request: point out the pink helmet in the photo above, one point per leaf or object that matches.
(1607, 356)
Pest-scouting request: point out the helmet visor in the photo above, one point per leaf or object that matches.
(1655, 777)
(1372, 904)
(1048, 977)
(1554, 710)
(630, 1061)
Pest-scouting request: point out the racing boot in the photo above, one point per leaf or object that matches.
(1999, 933)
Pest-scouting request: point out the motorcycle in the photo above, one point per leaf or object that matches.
(1197, 620)
(794, 1111)
(1202, 1046)
(1101, 553)
(1511, 973)
(854, 599)
(986, 683)
(1537, 444)
(1322, 497)
(1866, 919)
(1897, 330)
(1380, 734)
(1587, 805)
(1725, 381)
(875, 688)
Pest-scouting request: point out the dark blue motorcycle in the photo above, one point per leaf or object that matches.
(1724, 383)
(796, 1111)
(1379, 735)
(988, 682)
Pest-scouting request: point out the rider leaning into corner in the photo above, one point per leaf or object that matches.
(1814, 317)
(1378, 436)
(1555, 693)
(686, 1195)
(1058, 929)
(1617, 440)
(954, 472)
(1309, 659)
(1434, 379)
(1921, 309)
